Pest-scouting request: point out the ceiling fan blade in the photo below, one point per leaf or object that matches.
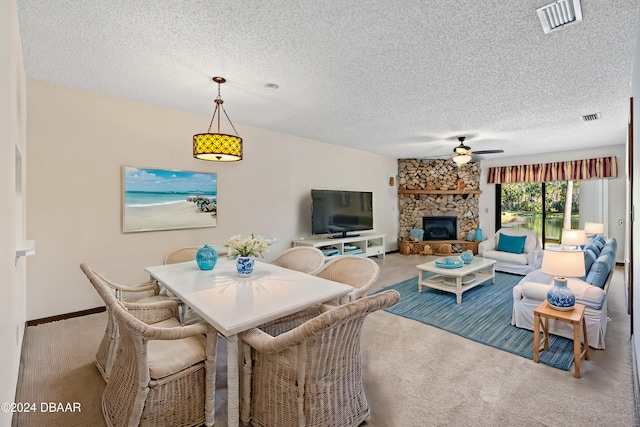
(488, 152)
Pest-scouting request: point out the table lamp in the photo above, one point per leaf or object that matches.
(574, 238)
(593, 228)
(562, 264)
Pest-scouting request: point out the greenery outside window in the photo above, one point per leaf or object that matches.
(538, 206)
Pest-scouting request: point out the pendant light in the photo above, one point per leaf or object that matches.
(218, 147)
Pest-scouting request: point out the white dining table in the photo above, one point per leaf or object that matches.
(233, 304)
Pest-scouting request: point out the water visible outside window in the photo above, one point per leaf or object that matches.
(522, 207)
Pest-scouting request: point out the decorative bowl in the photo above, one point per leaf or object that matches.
(466, 256)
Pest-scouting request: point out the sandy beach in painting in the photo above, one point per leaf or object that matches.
(167, 216)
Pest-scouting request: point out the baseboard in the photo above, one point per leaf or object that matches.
(65, 316)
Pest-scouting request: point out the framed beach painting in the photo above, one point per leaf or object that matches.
(161, 199)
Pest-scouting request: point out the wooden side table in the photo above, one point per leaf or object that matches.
(575, 317)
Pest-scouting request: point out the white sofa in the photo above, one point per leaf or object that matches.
(590, 291)
(516, 263)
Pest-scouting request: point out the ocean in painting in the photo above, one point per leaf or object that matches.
(147, 198)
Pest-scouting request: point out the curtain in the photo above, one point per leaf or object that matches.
(603, 167)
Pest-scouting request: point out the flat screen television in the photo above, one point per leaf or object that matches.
(343, 212)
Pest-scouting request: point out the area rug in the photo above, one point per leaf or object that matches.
(484, 316)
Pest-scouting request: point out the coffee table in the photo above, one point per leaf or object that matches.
(457, 280)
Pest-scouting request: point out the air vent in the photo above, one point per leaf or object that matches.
(591, 117)
(559, 14)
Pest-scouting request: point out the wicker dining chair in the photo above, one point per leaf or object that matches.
(181, 255)
(305, 259)
(311, 375)
(136, 297)
(159, 375)
(358, 272)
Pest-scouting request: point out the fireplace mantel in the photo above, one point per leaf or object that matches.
(402, 191)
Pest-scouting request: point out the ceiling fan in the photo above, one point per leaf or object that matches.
(463, 153)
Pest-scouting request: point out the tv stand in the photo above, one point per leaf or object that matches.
(343, 235)
(359, 245)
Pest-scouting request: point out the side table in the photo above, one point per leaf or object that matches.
(575, 317)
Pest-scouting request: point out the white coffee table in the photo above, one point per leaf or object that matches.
(457, 280)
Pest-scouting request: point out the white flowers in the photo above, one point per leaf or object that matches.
(252, 245)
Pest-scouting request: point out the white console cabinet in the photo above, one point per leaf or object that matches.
(362, 245)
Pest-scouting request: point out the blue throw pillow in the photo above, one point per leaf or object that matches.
(599, 271)
(589, 258)
(599, 241)
(594, 248)
(513, 244)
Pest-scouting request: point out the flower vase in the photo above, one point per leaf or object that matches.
(244, 265)
(206, 257)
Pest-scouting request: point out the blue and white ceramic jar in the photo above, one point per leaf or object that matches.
(206, 257)
(244, 265)
(560, 297)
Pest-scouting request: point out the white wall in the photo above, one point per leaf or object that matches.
(635, 196)
(616, 187)
(77, 143)
(12, 139)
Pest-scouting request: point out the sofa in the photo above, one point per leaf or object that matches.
(590, 290)
(516, 251)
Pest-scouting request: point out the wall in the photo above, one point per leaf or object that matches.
(616, 187)
(634, 229)
(77, 143)
(12, 140)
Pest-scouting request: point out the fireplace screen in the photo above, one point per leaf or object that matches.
(440, 227)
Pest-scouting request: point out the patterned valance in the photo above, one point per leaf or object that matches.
(603, 167)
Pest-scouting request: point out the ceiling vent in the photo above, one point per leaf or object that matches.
(559, 14)
(591, 117)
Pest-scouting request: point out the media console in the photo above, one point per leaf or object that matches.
(363, 245)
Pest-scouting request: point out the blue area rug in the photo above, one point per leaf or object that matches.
(484, 316)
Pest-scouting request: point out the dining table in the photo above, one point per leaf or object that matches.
(232, 304)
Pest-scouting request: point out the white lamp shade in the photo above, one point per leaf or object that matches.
(563, 263)
(574, 237)
(593, 227)
(461, 159)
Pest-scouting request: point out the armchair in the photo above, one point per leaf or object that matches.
(520, 251)
(138, 298)
(359, 272)
(159, 375)
(311, 375)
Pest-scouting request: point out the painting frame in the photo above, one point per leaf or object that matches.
(157, 199)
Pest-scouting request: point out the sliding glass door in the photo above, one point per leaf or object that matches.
(541, 207)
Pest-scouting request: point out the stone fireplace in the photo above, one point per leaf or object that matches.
(436, 188)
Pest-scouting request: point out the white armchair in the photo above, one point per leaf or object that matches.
(513, 260)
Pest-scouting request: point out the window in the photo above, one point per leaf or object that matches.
(539, 207)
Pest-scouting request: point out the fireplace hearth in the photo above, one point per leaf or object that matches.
(440, 227)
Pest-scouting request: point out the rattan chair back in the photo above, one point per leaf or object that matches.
(311, 375)
(305, 259)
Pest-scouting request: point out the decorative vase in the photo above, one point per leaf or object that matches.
(478, 234)
(466, 256)
(206, 257)
(244, 265)
(560, 297)
(471, 235)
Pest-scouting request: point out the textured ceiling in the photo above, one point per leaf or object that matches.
(401, 78)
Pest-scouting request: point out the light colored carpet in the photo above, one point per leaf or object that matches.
(484, 316)
(415, 374)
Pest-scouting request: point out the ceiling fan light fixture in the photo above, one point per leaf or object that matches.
(461, 159)
(218, 147)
